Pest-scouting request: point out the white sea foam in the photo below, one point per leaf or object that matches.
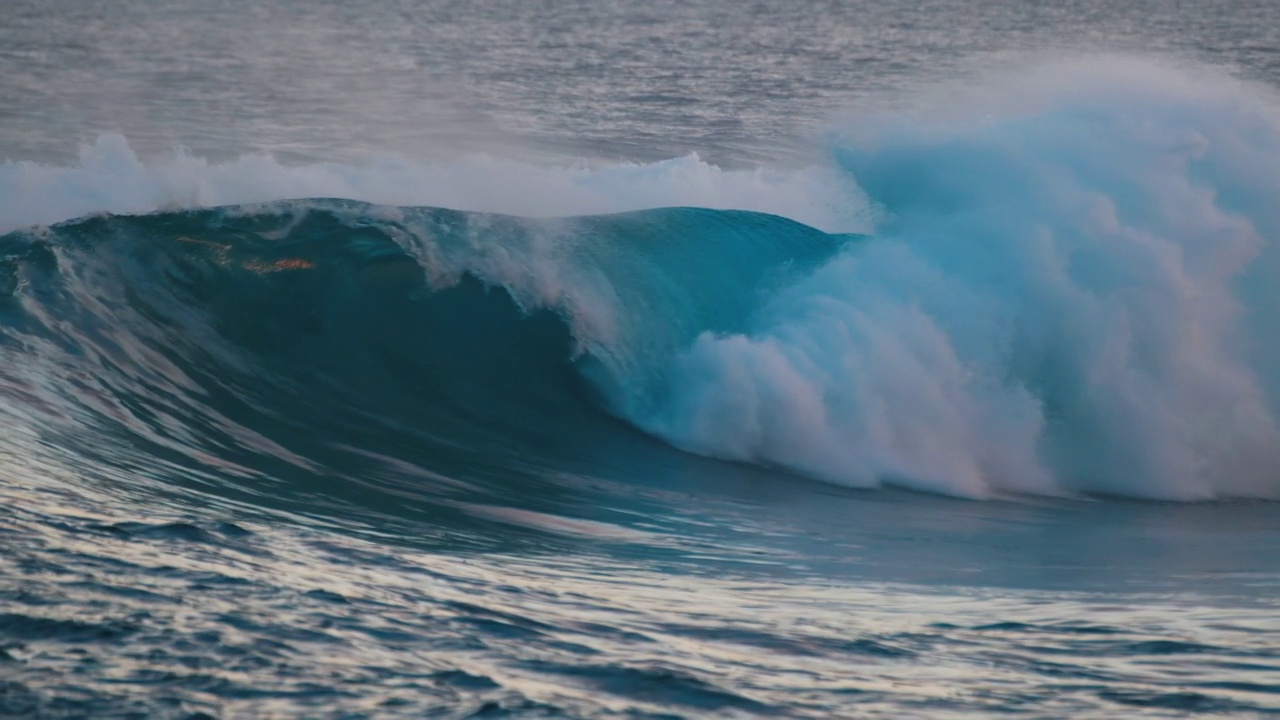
(1071, 289)
(110, 177)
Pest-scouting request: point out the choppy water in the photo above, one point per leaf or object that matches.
(428, 359)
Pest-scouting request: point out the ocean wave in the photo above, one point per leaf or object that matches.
(1066, 293)
(334, 340)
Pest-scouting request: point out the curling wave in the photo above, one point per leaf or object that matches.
(1069, 293)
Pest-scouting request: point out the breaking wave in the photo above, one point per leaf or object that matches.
(1070, 293)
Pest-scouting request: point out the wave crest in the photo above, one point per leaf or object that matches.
(1069, 292)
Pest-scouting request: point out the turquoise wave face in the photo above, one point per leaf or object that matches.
(299, 345)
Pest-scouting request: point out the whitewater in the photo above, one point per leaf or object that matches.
(736, 385)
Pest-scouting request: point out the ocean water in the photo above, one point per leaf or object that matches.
(639, 360)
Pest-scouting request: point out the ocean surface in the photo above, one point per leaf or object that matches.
(621, 359)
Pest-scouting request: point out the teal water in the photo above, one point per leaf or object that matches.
(619, 360)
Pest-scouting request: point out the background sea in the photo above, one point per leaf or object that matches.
(619, 359)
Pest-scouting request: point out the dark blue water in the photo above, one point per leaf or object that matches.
(642, 361)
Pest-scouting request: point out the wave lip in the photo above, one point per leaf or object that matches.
(109, 177)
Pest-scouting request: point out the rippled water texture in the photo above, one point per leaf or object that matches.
(178, 619)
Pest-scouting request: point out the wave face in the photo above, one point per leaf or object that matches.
(1070, 293)
(283, 340)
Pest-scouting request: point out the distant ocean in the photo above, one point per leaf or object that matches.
(639, 359)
